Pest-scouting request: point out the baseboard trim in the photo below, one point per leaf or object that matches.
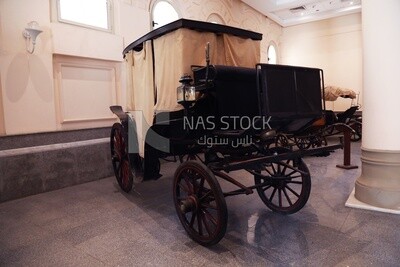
(52, 147)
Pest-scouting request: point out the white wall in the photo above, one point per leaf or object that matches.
(28, 87)
(334, 45)
(32, 95)
(26, 79)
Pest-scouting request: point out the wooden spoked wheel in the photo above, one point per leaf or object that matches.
(281, 140)
(120, 157)
(318, 140)
(303, 142)
(285, 185)
(200, 203)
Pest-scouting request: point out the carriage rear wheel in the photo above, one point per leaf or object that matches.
(303, 142)
(120, 157)
(200, 203)
(281, 140)
(285, 185)
(318, 140)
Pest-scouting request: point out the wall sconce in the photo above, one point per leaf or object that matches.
(30, 33)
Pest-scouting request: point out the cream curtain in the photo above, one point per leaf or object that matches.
(174, 54)
(140, 91)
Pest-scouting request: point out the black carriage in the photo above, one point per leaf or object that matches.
(316, 132)
(350, 117)
(220, 112)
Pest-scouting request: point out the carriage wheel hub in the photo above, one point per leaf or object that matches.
(189, 204)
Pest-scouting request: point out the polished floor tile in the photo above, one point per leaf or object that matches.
(96, 224)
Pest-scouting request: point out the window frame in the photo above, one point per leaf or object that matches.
(153, 3)
(272, 44)
(110, 18)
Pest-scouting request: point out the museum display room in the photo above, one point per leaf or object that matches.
(126, 126)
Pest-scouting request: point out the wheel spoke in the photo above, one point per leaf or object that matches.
(272, 195)
(211, 218)
(273, 169)
(294, 182)
(291, 190)
(183, 187)
(285, 166)
(119, 170)
(297, 176)
(269, 172)
(189, 185)
(191, 223)
(280, 197)
(292, 172)
(287, 197)
(199, 225)
(190, 178)
(118, 167)
(267, 187)
(205, 196)
(203, 216)
(208, 206)
(200, 187)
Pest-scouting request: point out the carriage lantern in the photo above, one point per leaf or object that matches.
(186, 93)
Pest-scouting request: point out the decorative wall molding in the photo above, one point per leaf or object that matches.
(234, 13)
(85, 88)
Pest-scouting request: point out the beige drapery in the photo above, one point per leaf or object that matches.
(174, 54)
(140, 82)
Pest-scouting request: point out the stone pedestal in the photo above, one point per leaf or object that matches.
(379, 183)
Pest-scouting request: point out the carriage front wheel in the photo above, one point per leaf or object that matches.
(284, 185)
(200, 203)
(120, 157)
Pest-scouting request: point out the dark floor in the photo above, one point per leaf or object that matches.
(95, 224)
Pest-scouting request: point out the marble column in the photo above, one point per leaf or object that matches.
(379, 183)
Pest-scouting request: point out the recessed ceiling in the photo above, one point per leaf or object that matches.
(293, 12)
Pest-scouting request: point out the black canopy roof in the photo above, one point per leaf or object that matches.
(193, 25)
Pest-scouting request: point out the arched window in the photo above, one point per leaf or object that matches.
(163, 12)
(272, 54)
(215, 18)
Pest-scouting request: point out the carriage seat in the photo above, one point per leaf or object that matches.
(235, 90)
(345, 116)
